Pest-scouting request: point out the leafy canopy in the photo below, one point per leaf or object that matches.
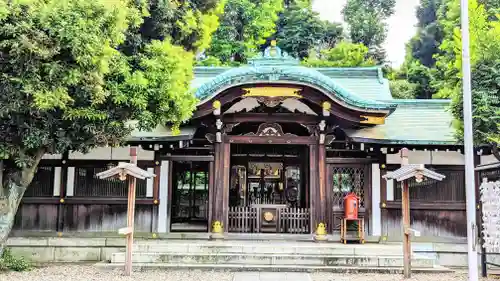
(244, 26)
(300, 29)
(67, 84)
(344, 54)
(485, 64)
(366, 21)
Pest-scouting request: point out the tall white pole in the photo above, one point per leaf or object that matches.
(469, 146)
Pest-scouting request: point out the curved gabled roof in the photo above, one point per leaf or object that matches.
(282, 69)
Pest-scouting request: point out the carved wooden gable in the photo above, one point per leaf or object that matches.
(270, 130)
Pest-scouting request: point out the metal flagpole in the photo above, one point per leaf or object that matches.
(469, 146)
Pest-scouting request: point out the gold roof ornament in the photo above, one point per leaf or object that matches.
(272, 92)
(373, 120)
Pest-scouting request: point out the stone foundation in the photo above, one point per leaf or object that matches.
(76, 249)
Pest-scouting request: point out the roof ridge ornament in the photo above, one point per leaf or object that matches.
(273, 55)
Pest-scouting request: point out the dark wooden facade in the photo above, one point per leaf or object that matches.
(313, 165)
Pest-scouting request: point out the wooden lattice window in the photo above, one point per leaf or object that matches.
(42, 184)
(88, 185)
(345, 180)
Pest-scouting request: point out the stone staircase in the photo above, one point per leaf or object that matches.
(270, 256)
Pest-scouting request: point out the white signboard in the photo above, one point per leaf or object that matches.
(490, 198)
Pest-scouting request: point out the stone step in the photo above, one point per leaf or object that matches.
(268, 248)
(272, 259)
(270, 268)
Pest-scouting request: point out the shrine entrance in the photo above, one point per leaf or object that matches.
(268, 189)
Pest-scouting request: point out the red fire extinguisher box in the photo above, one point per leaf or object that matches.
(351, 206)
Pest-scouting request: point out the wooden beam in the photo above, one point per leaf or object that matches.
(335, 160)
(85, 201)
(445, 206)
(270, 140)
(189, 158)
(271, 118)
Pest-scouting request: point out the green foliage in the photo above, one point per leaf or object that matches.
(67, 85)
(300, 29)
(345, 54)
(425, 44)
(209, 61)
(244, 26)
(486, 103)
(10, 263)
(188, 23)
(366, 20)
(485, 58)
(402, 89)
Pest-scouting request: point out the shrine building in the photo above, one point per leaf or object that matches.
(273, 147)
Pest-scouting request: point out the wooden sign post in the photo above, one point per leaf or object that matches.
(404, 175)
(131, 172)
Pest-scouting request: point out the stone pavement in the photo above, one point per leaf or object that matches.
(271, 276)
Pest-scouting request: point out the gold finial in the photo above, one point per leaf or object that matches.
(327, 106)
(216, 104)
(154, 236)
(273, 43)
(61, 200)
(155, 202)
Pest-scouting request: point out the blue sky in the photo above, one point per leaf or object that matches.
(401, 24)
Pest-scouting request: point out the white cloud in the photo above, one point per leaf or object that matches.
(401, 24)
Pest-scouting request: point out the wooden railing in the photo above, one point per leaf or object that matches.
(294, 220)
(289, 220)
(243, 219)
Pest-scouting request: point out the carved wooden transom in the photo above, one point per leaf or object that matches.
(269, 130)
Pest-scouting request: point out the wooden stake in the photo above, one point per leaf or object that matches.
(130, 215)
(406, 229)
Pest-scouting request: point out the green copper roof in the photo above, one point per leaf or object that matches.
(286, 74)
(413, 122)
(365, 82)
(275, 67)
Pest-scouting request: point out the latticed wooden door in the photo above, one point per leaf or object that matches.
(342, 180)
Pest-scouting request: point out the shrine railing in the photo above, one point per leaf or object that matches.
(255, 220)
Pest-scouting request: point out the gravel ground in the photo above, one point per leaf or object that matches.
(90, 273)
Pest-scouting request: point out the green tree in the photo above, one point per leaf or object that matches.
(485, 63)
(244, 26)
(367, 23)
(188, 23)
(402, 89)
(300, 29)
(66, 86)
(345, 54)
(425, 44)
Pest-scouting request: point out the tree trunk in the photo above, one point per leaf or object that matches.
(12, 190)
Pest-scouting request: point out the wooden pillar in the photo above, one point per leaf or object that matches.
(211, 194)
(130, 215)
(62, 192)
(384, 213)
(225, 183)
(156, 191)
(313, 187)
(405, 208)
(406, 229)
(322, 182)
(218, 185)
